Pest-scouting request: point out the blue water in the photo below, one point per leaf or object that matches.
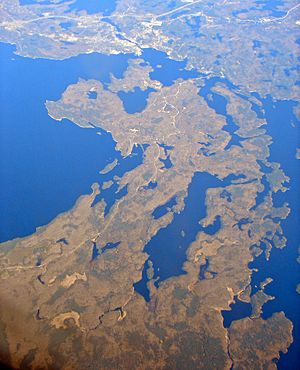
(34, 2)
(205, 268)
(150, 185)
(106, 7)
(135, 101)
(238, 310)
(282, 266)
(97, 250)
(260, 197)
(225, 194)
(242, 222)
(141, 286)
(167, 163)
(167, 249)
(45, 165)
(164, 208)
(66, 25)
(92, 95)
(166, 70)
(194, 24)
(62, 240)
(166, 148)
(267, 5)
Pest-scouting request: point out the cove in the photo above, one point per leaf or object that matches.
(272, 7)
(164, 208)
(46, 165)
(97, 251)
(166, 70)
(238, 310)
(167, 249)
(219, 104)
(135, 101)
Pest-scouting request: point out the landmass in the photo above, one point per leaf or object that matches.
(54, 282)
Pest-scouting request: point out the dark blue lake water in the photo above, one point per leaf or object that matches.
(135, 101)
(167, 249)
(113, 193)
(164, 208)
(282, 266)
(167, 70)
(45, 165)
(272, 7)
(238, 310)
(219, 104)
(106, 7)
